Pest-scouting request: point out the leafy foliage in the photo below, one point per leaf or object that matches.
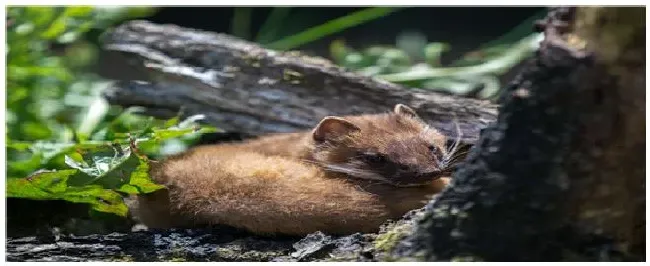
(416, 63)
(47, 89)
(54, 185)
(63, 141)
(98, 171)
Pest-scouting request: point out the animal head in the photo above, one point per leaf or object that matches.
(397, 148)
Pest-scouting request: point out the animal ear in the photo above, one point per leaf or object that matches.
(332, 127)
(401, 109)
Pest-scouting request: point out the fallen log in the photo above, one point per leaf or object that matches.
(243, 87)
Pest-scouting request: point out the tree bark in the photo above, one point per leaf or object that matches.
(242, 87)
(561, 174)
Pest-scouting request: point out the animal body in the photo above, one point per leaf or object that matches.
(349, 174)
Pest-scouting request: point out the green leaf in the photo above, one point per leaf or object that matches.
(165, 134)
(113, 168)
(51, 185)
(433, 52)
(392, 58)
(18, 145)
(459, 87)
(79, 11)
(40, 16)
(42, 185)
(56, 28)
(413, 43)
(103, 200)
(191, 121)
(49, 150)
(339, 51)
(20, 169)
(36, 130)
(172, 121)
(22, 188)
(108, 167)
(140, 182)
(374, 53)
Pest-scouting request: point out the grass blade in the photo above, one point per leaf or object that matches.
(272, 24)
(241, 22)
(521, 31)
(332, 26)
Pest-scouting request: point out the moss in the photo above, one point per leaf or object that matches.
(291, 75)
(177, 255)
(238, 255)
(225, 253)
(338, 259)
(253, 59)
(125, 258)
(465, 259)
(388, 240)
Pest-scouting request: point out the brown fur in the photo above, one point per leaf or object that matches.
(280, 183)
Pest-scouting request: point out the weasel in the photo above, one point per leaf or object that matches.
(349, 174)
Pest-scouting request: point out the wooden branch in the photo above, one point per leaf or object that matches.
(242, 87)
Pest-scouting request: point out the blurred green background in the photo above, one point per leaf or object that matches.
(65, 143)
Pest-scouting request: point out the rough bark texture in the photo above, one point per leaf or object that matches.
(609, 158)
(561, 174)
(170, 245)
(244, 88)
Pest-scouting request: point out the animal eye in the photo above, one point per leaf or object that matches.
(435, 151)
(374, 157)
(433, 148)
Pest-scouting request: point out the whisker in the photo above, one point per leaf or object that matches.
(355, 172)
(452, 164)
(349, 170)
(453, 161)
(459, 135)
(343, 169)
(458, 155)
